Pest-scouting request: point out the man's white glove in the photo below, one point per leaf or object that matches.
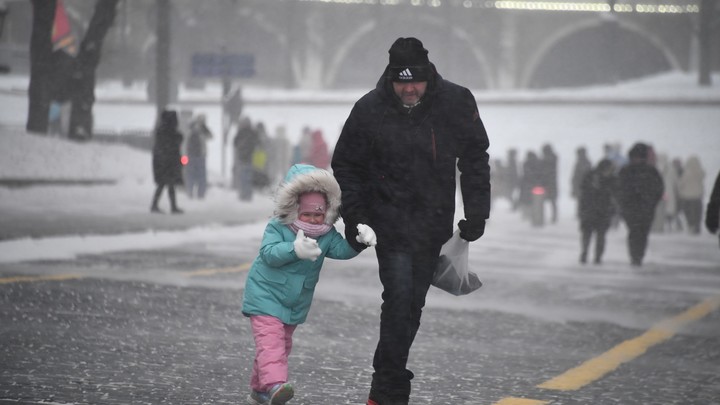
(366, 235)
(306, 248)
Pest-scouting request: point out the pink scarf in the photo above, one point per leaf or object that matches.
(310, 230)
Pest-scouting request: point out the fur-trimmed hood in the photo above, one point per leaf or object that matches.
(302, 178)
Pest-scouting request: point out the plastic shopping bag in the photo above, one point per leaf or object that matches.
(453, 273)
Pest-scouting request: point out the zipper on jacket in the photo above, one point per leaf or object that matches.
(434, 147)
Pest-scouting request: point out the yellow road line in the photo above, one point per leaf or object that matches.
(597, 367)
(29, 279)
(210, 272)
(61, 277)
(520, 401)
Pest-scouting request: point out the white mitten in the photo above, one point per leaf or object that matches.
(366, 235)
(306, 248)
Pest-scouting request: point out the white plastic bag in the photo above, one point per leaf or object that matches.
(453, 273)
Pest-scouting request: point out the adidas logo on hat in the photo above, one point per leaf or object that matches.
(405, 75)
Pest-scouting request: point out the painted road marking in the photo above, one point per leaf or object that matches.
(30, 279)
(521, 401)
(597, 367)
(628, 350)
(61, 277)
(211, 272)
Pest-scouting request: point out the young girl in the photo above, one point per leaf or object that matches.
(280, 286)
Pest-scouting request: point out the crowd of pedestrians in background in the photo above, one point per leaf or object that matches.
(260, 160)
(648, 191)
(536, 176)
(668, 196)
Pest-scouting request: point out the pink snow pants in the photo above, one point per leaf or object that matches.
(273, 342)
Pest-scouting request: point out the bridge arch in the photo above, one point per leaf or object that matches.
(363, 39)
(622, 29)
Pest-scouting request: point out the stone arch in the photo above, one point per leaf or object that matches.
(563, 33)
(357, 36)
(479, 55)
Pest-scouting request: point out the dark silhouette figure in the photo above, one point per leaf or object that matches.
(512, 177)
(548, 173)
(245, 142)
(167, 169)
(596, 207)
(396, 162)
(582, 167)
(640, 190)
(713, 207)
(196, 147)
(531, 178)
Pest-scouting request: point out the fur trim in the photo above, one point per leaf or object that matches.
(319, 180)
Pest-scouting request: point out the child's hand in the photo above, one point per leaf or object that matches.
(366, 235)
(306, 248)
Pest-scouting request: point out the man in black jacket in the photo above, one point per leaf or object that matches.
(396, 162)
(713, 207)
(640, 188)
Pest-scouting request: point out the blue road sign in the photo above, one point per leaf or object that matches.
(223, 65)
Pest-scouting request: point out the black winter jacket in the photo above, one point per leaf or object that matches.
(640, 188)
(397, 166)
(167, 168)
(596, 202)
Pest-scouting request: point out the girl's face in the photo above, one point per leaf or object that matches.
(315, 218)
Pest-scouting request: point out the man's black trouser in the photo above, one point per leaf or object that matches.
(406, 278)
(638, 233)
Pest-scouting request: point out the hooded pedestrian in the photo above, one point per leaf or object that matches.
(640, 189)
(167, 168)
(581, 168)
(245, 143)
(596, 207)
(548, 173)
(281, 282)
(196, 148)
(396, 162)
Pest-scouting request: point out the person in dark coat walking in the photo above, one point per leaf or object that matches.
(596, 207)
(167, 168)
(246, 141)
(530, 179)
(581, 168)
(640, 189)
(548, 172)
(713, 207)
(396, 165)
(196, 148)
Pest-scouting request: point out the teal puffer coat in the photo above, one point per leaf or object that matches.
(279, 284)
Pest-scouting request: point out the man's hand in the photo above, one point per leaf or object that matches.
(306, 248)
(471, 230)
(366, 235)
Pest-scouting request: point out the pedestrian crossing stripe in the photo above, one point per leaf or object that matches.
(628, 350)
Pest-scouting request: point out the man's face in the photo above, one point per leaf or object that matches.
(410, 92)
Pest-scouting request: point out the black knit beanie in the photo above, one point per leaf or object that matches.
(409, 61)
